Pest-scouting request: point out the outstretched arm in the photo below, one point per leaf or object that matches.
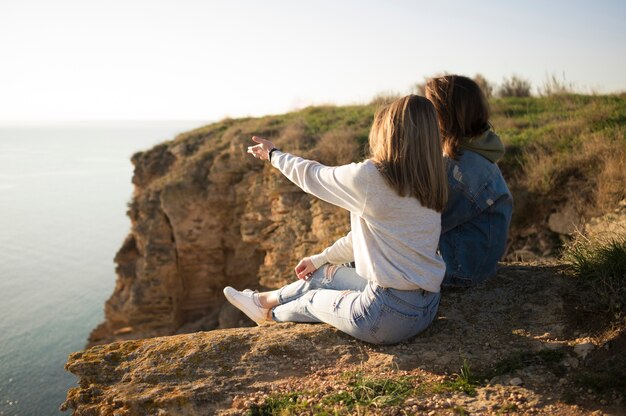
(344, 186)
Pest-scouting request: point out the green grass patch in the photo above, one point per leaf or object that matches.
(465, 382)
(290, 403)
(600, 265)
(364, 392)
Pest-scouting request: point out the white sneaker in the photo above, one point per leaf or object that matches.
(245, 302)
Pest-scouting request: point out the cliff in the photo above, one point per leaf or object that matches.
(531, 338)
(204, 214)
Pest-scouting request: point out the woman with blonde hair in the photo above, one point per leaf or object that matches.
(395, 199)
(475, 222)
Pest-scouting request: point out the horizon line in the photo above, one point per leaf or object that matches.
(99, 121)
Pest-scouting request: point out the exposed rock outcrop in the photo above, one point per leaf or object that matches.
(522, 331)
(205, 215)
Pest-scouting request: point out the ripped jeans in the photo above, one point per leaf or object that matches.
(338, 296)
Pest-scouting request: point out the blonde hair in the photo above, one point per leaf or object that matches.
(405, 145)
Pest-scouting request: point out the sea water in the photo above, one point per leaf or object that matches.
(64, 190)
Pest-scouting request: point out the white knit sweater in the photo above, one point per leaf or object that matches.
(393, 239)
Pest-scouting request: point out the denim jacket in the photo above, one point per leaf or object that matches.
(475, 222)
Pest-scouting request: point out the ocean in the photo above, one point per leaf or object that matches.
(64, 190)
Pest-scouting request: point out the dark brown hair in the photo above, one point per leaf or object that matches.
(462, 110)
(405, 145)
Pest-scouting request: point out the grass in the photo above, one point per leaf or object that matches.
(281, 404)
(364, 392)
(567, 149)
(463, 382)
(549, 140)
(599, 264)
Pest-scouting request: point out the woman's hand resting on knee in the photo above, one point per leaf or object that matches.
(305, 269)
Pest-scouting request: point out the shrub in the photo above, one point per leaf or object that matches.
(294, 138)
(487, 87)
(484, 85)
(600, 265)
(383, 98)
(337, 147)
(514, 87)
(555, 86)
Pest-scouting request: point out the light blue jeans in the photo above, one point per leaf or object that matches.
(338, 296)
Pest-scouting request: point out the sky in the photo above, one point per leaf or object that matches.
(76, 60)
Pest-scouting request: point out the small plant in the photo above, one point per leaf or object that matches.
(337, 147)
(378, 392)
(600, 264)
(360, 393)
(514, 87)
(555, 86)
(465, 380)
(484, 85)
(280, 404)
(384, 98)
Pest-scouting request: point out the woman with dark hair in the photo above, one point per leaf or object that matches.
(395, 199)
(475, 222)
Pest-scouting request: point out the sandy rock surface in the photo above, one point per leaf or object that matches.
(529, 316)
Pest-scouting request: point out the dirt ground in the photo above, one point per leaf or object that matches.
(534, 342)
(536, 338)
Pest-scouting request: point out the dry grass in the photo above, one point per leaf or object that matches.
(562, 150)
(514, 87)
(293, 138)
(599, 262)
(610, 184)
(595, 166)
(384, 98)
(554, 85)
(337, 147)
(484, 85)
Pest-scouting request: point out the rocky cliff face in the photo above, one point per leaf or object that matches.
(204, 215)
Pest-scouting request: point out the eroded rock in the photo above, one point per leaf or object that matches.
(228, 371)
(205, 215)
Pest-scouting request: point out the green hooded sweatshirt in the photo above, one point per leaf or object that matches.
(487, 145)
